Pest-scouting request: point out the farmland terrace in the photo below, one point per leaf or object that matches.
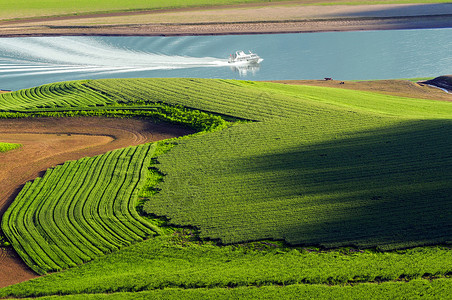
(283, 185)
(48, 142)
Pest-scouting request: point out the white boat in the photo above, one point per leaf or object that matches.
(242, 57)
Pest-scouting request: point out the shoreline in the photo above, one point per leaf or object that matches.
(263, 19)
(236, 28)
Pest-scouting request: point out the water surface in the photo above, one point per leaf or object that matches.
(27, 62)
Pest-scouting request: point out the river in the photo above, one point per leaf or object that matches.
(360, 55)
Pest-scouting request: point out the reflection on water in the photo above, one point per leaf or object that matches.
(246, 69)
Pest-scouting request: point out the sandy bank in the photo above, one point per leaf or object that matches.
(243, 19)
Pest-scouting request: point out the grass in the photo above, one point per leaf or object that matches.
(37, 8)
(4, 147)
(355, 172)
(179, 261)
(418, 289)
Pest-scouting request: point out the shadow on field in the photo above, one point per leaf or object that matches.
(389, 187)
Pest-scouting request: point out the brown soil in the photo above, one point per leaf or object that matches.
(402, 88)
(294, 16)
(51, 141)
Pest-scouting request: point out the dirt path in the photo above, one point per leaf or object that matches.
(240, 19)
(51, 141)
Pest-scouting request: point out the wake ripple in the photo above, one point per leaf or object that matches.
(55, 55)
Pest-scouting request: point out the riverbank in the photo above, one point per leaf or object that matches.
(239, 19)
(442, 82)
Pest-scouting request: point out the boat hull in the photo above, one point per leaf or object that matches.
(241, 57)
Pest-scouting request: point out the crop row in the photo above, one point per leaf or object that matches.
(238, 99)
(317, 158)
(327, 181)
(79, 210)
(241, 99)
(322, 166)
(262, 101)
(166, 262)
(64, 94)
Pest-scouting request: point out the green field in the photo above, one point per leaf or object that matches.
(416, 289)
(39, 8)
(304, 190)
(92, 202)
(4, 147)
(66, 94)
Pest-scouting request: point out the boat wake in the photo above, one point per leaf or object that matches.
(57, 55)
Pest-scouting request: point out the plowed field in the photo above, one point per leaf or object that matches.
(51, 141)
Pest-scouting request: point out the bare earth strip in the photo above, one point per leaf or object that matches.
(51, 141)
(240, 19)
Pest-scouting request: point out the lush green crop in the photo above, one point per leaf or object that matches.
(385, 187)
(8, 146)
(353, 167)
(80, 210)
(317, 166)
(262, 101)
(55, 95)
(418, 289)
(181, 261)
(193, 119)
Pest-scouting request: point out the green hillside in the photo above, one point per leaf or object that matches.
(297, 168)
(350, 168)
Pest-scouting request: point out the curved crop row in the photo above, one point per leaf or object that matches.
(238, 99)
(64, 94)
(79, 210)
(323, 166)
